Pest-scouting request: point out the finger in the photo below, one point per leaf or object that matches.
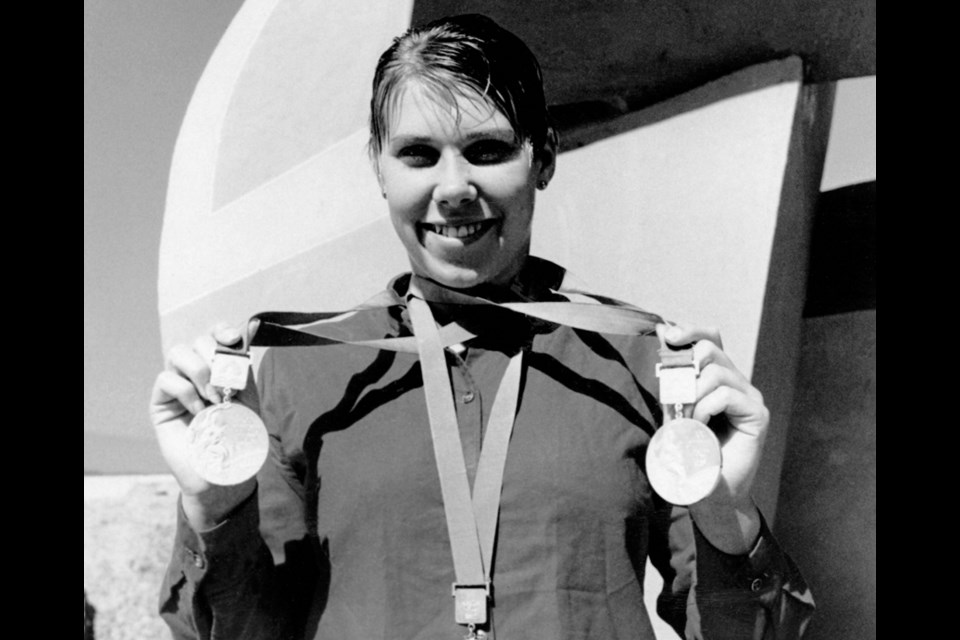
(226, 335)
(206, 347)
(711, 358)
(172, 397)
(194, 365)
(706, 352)
(744, 413)
(714, 375)
(681, 334)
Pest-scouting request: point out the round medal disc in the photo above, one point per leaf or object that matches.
(228, 443)
(683, 461)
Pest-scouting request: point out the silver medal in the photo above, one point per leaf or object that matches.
(228, 443)
(683, 461)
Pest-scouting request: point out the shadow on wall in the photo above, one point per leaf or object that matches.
(608, 58)
(88, 614)
(843, 254)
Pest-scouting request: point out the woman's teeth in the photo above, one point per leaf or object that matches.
(455, 231)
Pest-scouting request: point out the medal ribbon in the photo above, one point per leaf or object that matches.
(579, 310)
(471, 517)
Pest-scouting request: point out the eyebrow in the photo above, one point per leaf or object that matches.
(506, 135)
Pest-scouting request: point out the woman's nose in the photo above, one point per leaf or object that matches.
(454, 187)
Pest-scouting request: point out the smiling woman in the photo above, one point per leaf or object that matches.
(501, 452)
(460, 186)
(461, 140)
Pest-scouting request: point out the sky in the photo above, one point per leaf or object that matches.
(142, 61)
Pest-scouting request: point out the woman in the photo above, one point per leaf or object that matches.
(362, 518)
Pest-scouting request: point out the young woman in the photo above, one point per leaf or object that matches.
(539, 517)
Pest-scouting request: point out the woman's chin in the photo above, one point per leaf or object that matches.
(451, 275)
(454, 277)
(466, 276)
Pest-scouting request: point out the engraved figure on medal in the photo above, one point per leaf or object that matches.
(683, 461)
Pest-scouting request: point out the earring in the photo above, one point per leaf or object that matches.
(542, 185)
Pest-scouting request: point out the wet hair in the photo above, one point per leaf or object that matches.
(462, 56)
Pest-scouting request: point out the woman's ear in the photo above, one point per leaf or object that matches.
(547, 157)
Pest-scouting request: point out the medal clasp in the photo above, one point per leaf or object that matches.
(471, 602)
(678, 381)
(229, 370)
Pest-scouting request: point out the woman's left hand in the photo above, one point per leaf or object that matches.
(728, 516)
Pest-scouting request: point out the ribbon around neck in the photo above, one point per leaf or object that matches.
(471, 516)
(576, 309)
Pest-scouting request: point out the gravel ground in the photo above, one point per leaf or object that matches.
(128, 526)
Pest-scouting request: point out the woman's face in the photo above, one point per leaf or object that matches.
(460, 192)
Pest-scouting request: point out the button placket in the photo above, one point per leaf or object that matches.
(466, 396)
(464, 387)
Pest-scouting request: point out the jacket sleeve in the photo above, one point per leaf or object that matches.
(711, 595)
(255, 574)
(218, 583)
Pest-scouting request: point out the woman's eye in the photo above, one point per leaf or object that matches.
(418, 155)
(490, 152)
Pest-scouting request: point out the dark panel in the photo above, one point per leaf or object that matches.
(828, 496)
(778, 342)
(602, 58)
(843, 252)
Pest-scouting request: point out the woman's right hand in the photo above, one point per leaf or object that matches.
(181, 391)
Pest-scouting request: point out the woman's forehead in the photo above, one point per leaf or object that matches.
(422, 110)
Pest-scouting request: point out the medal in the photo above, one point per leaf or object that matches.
(228, 442)
(683, 457)
(683, 461)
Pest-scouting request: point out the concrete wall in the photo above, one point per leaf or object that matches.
(828, 497)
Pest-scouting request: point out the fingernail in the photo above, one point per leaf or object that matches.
(674, 333)
(196, 407)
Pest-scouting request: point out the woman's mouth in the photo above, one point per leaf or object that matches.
(464, 232)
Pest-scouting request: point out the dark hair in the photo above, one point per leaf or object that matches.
(459, 56)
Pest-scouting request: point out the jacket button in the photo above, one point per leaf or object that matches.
(756, 585)
(467, 397)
